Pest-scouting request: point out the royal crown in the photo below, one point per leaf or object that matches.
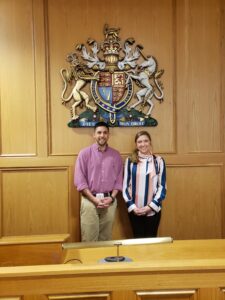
(111, 46)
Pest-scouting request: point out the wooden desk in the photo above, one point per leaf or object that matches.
(31, 250)
(193, 270)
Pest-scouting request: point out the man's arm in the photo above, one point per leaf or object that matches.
(110, 199)
(80, 172)
(87, 194)
(118, 185)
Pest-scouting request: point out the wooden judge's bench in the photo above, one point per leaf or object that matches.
(178, 270)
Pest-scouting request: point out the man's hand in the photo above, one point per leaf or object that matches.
(108, 201)
(103, 203)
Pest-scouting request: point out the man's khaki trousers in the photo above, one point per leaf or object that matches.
(96, 223)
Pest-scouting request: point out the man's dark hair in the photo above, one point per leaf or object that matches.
(99, 124)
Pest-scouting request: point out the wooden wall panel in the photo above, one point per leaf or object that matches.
(207, 293)
(193, 208)
(223, 106)
(17, 73)
(222, 294)
(121, 226)
(35, 201)
(80, 20)
(35, 297)
(199, 76)
(187, 38)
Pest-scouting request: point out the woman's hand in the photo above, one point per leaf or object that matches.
(137, 211)
(142, 211)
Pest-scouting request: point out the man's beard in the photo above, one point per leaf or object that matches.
(101, 142)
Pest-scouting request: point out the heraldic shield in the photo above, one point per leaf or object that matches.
(111, 81)
(111, 92)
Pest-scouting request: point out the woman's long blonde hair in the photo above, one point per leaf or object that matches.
(134, 156)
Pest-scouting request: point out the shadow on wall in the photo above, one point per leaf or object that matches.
(121, 228)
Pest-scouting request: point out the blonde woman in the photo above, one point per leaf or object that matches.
(144, 187)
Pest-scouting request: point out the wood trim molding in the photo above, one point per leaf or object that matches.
(80, 296)
(166, 292)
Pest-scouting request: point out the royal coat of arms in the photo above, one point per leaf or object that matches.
(111, 81)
